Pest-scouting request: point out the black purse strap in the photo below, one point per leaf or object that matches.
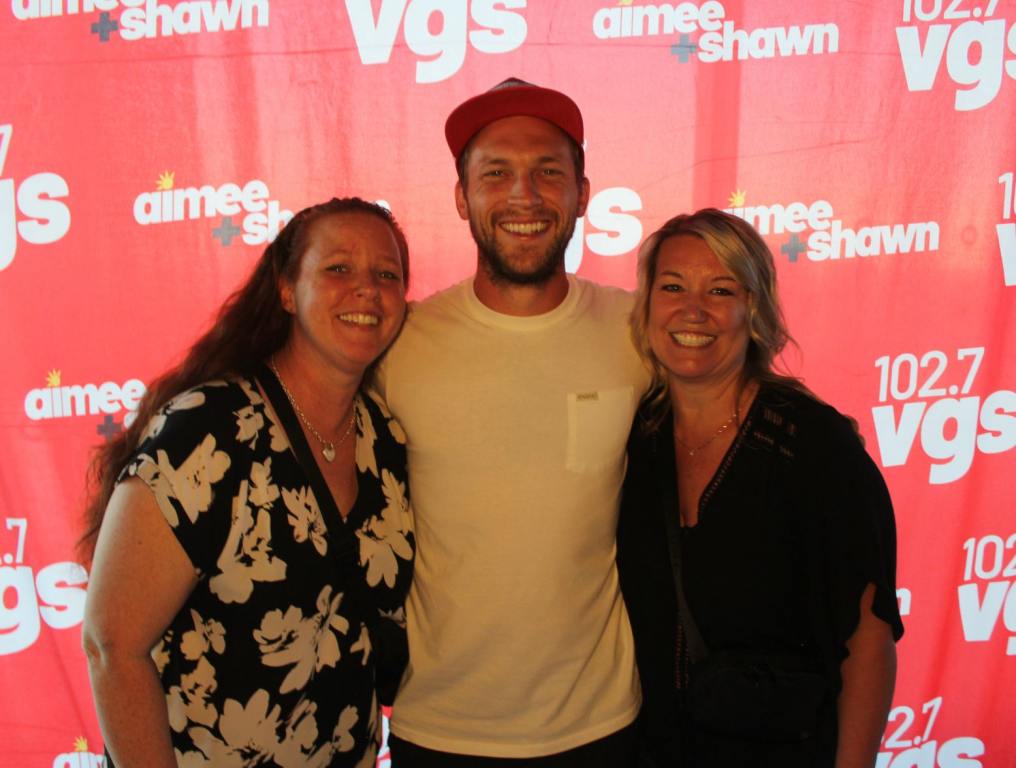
(301, 448)
(342, 540)
(697, 648)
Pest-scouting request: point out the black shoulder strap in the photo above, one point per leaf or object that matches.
(298, 441)
(665, 474)
(343, 543)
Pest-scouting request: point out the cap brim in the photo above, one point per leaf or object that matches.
(470, 117)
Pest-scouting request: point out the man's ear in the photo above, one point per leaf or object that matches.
(460, 201)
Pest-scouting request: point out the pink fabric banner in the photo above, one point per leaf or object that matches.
(150, 149)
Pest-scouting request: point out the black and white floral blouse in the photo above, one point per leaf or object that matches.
(273, 659)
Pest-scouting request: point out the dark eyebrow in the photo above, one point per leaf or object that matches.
(674, 273)
(541, 160)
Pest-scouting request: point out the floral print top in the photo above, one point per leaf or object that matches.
(273, 659)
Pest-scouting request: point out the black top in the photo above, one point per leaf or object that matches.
(794, 524)
(274, 657)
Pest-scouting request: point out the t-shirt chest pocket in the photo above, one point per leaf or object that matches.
(598, 426)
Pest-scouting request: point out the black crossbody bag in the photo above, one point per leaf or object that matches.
(755, 695)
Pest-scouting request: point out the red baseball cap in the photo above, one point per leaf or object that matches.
(507, 99)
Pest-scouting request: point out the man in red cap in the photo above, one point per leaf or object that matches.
(516, 389)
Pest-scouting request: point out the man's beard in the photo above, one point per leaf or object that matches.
(499, 267)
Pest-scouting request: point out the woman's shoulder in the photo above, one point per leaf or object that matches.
(824, 445)
(381, 440)
(196, 446)
(376, 409)
(207, 407)
(650, 426)
(805, 418)
(228, 389)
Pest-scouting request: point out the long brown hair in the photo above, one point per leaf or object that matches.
(250, 326)
(743, 252)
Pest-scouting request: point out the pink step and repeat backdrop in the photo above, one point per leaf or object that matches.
(150, 149)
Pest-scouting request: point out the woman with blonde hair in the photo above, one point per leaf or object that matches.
(756, 545)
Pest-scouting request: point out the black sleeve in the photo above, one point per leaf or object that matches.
(188, 459)
(857, 532)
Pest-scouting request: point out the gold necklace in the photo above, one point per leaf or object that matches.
(723, 428)
(327, 447)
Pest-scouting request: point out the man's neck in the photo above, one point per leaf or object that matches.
(520, 300)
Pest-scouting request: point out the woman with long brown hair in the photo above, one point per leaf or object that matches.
(251, 531)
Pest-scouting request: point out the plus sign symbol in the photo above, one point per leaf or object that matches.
(793, 248)
(104, 26)
(683, 48)
(226, 230)
(108, 427)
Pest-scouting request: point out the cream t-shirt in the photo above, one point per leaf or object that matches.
(519, 641)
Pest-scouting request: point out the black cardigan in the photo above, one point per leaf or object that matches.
(794, 524)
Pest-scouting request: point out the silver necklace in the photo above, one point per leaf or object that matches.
(723, 428)
(327, 447)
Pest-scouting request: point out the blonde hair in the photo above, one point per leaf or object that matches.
(743, 253)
